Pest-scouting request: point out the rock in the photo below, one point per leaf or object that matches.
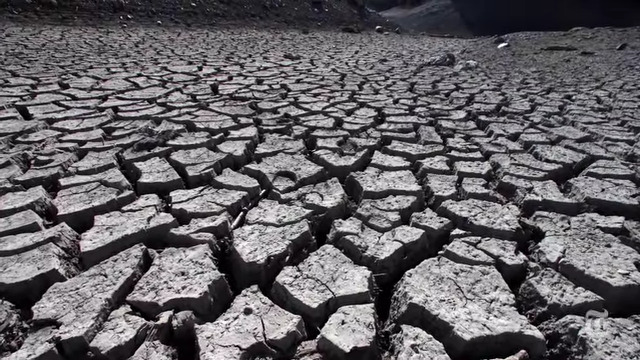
(387, 213)
(387, 254)
(154, 350)
(122, 333)
(376, 184)
(447, 59)
(285, 172)
(326, 199)
(258, 253)
(23, 222)
(198, 166)
(577, 338)
(252, 327)
(199, 231)
(12, 328)
(61, 235)
(478, 188)
(95, 162)
(322, 283)
(111, 178)
(156, 176)
(78, 205)
(609, 169)
(411, 343)
(116, 231)
(24, 277)
(462, 252)
(545, 195)
(35, 199)
(484, 218)
(206, 202)
(39, 344)
(350, 333)
(546, 294)
(182, 279)
(272, 213)
(469, 309)
(341, 166)
(413, 152)
(81, 304)
(441, 188)
(436, 227)
(525, 166)
(606, 196)
(593, 263)
(232, 180)
(389, 162)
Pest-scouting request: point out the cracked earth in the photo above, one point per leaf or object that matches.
(241, 193)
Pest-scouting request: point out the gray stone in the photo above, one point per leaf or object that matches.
(599, 262)
(387, 213)
(376, 184)
(117, 231)
(81, 304)
(322, 283)
(593, 339)
(389, 162)
(341, 166)
(61, 235)
(156, 176)
(413, 152)
(13, 328)
(469, 309)
(350, 333)
(78, 205)
(387, 254)
(436, 227)
(232, 180)
(24, 277)
(441, 188)
(39, 345)
(199, 166)
(545, 294)
(606, 196)
(35, 198)
(327, 199)
(258, 253)
(23, 222)
(411, 343)
(95, 162)
(484, 218)
(155, 350)
(182, 279)
(432, 165)
(252, 327)
(111, 178)
(206, 201)
(272, 213)
(285, 172)
(199, 231)
(122, 333)
(609, 169)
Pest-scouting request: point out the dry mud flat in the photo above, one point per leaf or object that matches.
(176, 193)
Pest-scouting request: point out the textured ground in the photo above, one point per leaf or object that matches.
(242, 193)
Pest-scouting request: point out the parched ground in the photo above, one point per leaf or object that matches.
(240, 193)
